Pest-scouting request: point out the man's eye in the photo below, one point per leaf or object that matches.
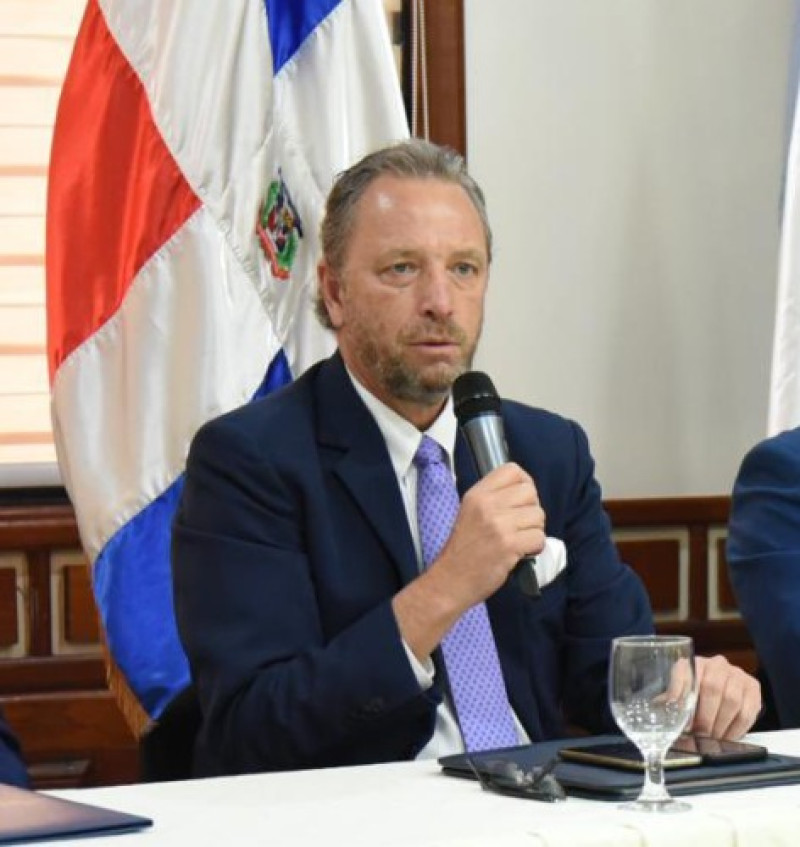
(465, 269)
(402, 268)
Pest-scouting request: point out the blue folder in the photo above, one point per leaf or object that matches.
(28, 816)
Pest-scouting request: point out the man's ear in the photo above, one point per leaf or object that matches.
(330, 287)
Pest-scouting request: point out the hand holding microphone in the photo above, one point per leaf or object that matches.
(477, 408)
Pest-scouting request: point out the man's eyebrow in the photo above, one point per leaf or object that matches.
(470, 253)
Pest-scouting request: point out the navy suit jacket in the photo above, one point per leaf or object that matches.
(764, 562)
(291, 539)
(12, 769)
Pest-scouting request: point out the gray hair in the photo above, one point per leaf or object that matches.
(411, 159)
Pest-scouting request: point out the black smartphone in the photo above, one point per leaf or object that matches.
(624, 755)
(716, 752)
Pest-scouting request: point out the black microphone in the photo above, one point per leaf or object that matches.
(477, 408)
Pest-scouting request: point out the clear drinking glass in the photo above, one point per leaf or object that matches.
(652, 687)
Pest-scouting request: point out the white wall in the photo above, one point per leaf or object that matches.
(631, 152)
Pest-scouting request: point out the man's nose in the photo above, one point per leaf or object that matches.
(437, 291)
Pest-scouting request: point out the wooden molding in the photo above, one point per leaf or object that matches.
(38, 527)
(444, 21)
(665, 510)
(48, 674)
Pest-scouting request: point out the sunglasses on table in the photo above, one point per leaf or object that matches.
(503, 776)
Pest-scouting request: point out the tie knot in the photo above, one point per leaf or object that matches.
(428, 453)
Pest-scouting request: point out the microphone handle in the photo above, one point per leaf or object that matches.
(487, 441)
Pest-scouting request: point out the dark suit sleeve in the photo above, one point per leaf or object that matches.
(605, 597)
(12, 768)
(567, 633)
(764, 562)
(282, 685)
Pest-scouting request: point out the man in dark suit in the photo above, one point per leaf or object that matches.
(311, 627)
(764, 562)
(12, 769)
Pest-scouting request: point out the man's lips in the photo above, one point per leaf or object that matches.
(435, 342)
(438, 348)
(437, 352)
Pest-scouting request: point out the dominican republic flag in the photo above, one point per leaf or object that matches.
(195, 143)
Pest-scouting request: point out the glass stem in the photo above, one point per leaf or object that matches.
(654, 789)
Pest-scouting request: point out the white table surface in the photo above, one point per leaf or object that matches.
(412, 803)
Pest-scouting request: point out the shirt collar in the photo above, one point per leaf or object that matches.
(401, 436)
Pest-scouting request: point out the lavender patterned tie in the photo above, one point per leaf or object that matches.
(470, 654)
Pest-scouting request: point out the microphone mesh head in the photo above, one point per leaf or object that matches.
(474, 394)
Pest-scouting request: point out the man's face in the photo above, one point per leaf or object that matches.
(407, 305)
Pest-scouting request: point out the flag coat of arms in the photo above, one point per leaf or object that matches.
(194, 146)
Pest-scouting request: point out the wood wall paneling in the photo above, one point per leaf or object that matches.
(661, 560)
(56, 696)
(81, 625)
(444, 21)
(39, 609)
(36, 675)
(73, 738)
(9, 619)
(712, 617)
(52, 675)
(722, 601)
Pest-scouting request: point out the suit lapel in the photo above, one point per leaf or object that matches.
(354, 449)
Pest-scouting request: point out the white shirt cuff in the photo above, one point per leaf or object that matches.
(423, 671)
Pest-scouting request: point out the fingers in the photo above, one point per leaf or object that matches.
(680, 682)
(507, 499)
(509, 487)
(728, 699)
(505, 476)
(499, 521)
